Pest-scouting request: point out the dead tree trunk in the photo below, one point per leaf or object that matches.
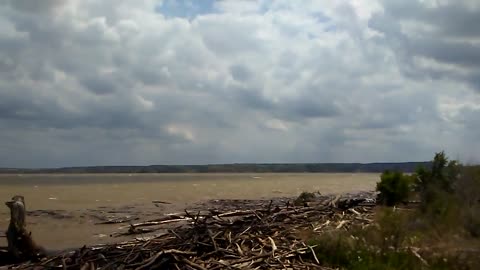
(21, 246)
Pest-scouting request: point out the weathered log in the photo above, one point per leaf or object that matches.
(21, 246)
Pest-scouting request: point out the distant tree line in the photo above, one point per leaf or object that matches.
(238, 168)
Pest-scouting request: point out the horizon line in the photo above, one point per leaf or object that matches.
(209, 164)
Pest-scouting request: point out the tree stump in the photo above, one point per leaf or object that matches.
(21, 246)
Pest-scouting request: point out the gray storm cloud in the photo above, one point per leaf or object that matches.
(125, 82)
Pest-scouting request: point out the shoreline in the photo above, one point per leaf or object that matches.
(220, 215)
(98, 225)
(75, 224)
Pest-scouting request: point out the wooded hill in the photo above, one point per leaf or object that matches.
(235, 168)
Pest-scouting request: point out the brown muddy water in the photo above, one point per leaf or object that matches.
(80, 199)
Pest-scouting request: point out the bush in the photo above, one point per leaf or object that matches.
(343, 251)
(468, 196)
(394, 188)
(442, 230)
(387, 244)
(439, 180)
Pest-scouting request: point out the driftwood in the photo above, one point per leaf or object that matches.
(21, 246)
(265, 237)
(161, 202)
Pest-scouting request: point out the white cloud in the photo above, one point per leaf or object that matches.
(276, 124)
(269, 81)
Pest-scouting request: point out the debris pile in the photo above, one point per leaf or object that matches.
(266, 237)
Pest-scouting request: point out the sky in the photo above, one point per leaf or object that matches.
(139, 82)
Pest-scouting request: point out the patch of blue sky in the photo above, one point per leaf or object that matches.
(331, 28)
(264, 7)
(185, 8)
(321, 17)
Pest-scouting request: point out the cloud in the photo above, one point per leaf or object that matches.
(433, 40)
(151, 82)
(36, 6)
(98, 84)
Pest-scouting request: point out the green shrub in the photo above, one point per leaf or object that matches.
(467, 193)
(443, 230)
(387, 244)
(394, 188)
(437, 181)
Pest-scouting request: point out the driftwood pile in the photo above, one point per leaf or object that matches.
(269, 237)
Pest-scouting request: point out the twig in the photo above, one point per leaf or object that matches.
(414, 252)
(192, 264)
(154, 223)
(340, 225)
(152, 260)
(314, 255)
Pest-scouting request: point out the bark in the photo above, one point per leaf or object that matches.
(21, 246)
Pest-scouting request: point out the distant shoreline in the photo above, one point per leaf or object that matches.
(232, 168)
